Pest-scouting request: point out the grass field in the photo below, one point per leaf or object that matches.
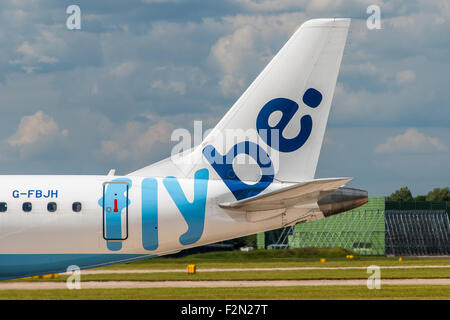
(258, 259)
(275, 258)
(263, 293)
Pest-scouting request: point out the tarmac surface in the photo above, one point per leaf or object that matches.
(213, 284)
(112, 271)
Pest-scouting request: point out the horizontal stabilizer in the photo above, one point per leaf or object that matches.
(306, 192)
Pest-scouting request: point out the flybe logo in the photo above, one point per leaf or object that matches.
(223, 164)
(288, 108)
(116, 195)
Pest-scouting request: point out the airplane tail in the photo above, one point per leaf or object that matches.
(275, 130)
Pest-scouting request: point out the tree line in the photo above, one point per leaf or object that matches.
(404, 194)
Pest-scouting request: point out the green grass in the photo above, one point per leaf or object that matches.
(255, 259)
(269, 293)
(263, 275)
(274, 258)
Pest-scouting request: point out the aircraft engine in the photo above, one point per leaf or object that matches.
(341, 200)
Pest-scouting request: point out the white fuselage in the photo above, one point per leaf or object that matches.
(41, 236)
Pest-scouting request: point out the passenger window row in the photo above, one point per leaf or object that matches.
(51, 206)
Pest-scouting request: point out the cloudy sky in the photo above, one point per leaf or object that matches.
(109, 95)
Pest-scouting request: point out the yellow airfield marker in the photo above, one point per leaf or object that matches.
(191, 268)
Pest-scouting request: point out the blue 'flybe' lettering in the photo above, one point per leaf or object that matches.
(114, 201)
(35, 193)
(223, 165)
(150, 214)
(193, 212)
(288, 108)
(224, 168)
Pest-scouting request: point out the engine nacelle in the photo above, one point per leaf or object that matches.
(341, 200)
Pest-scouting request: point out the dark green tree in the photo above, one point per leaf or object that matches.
(420, 198)
(243, 241)
(402, 194)
(439, 194)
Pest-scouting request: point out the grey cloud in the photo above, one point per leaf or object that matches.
(173, 59)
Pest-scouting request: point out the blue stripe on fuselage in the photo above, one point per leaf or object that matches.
(25, 265)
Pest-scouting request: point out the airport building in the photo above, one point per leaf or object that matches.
(379, 227)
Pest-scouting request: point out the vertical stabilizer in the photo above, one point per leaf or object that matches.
(280, 119)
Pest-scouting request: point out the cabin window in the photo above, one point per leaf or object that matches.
(3, 206)
(26, 206)
(51, 206)
(76, 206)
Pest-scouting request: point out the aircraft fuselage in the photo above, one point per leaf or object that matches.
(120, 218)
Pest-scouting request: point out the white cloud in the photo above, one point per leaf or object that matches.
(124, 69)
(230, 53)
(247, 49)
(114, 149)
(159, 1)
(310, 5)
(367, 68)
(405, 76)
(443, 6)
(411, 141)
(268, 5)
(31, 54)
(403, 22)
(172, 86)
(136, 140)
(33, 128)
